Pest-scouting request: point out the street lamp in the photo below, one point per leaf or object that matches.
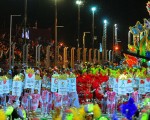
(104, 40)
(79, 3)
(93, 11)
(10, 42)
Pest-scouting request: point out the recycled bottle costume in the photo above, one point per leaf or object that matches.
(44, 97)
(111, 95)
(24, 100)
(135, 95)
(36, 98)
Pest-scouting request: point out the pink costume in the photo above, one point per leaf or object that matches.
(110, 101)
(44, 97)
(11, 100)
(25, 100)
(49, 101)
(35, 101)
(57, 99)
(135, 97)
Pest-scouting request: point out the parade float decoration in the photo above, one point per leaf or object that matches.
(54, 82)
(29, 78)
(4, 85)
(71, 82)
(38, 83)
(139, 39)
(62, 84)
(17, 86)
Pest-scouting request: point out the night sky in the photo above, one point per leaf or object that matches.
(125, 13)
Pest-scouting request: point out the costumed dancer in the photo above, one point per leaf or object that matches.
(110, 95)
(44, 97)
(11, 98)
(49, 100)
(57, 100)
(36, 98)
(24, 100)
(102, 92)
(135, 95)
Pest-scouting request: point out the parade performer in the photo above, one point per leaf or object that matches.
(110, 95)
(44, 97)
(135, 95)
(11, 98)
(36, 98)
(57, 100)
(24, 100)
(49, 100)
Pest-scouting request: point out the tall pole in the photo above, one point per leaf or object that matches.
(78, 2)
(56, 56)
(104, 40)
(93, 11)
(25, 20)
(93, 33)
(10, 41)
(78, 25)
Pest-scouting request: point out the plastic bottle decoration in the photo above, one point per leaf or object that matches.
(29, 78)
(17, 86)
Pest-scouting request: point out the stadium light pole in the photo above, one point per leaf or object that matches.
(93, 12)
(79, 3)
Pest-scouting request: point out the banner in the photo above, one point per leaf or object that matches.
(71, 84)
(5, 86)
(62, 87)
(141, 89)
(122, 87)
(147, 85)
(129, 85)
(29, 80)
(54, 84)
(17, 88)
